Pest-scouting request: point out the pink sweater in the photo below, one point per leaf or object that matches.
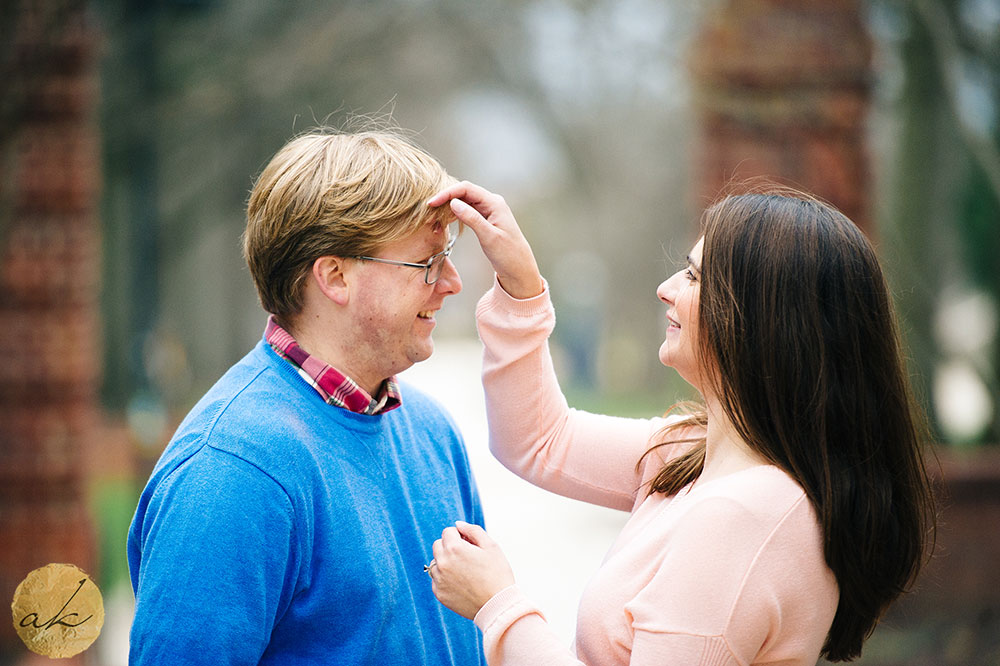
(726, 572)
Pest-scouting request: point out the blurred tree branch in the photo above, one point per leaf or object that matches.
(939, 26)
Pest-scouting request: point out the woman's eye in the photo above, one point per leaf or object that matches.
(689, 274)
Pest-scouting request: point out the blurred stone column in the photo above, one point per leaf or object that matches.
(782, 91)
(49, 271)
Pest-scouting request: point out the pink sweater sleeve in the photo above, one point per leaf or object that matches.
(515, 634)
(533, 432)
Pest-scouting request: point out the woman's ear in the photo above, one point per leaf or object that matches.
(330, 275)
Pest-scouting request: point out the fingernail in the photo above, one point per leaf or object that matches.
(458, 204)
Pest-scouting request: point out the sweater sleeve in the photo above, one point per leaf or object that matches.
(216, 541)
(515, 633)
(533, 431)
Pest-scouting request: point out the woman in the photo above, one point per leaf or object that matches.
(776, 522)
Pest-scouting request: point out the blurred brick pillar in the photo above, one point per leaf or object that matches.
(782, 91)
(49, 271)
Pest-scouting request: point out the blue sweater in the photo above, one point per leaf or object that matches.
(278, 529)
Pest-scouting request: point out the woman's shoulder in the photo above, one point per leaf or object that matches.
(767, 484)
(769, 528)
(761, 500)
(754, 536)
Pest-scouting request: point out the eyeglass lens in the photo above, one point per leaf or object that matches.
(435, 268)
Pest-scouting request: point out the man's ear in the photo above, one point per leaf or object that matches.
(330, 276)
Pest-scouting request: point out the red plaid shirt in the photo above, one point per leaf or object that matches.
(333, 386)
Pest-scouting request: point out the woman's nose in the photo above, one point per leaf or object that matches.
(664, 292)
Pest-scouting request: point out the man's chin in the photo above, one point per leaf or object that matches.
(423, 353)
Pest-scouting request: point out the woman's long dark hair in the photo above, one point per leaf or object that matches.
(803, 353)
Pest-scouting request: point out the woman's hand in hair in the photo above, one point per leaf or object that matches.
(468, 569)
(491, 219)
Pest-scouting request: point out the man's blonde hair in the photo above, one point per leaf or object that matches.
(328, 193)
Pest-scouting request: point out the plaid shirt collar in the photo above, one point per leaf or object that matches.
(333, 386)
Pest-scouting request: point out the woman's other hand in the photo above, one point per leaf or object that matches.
(506, 248)
(468, 569)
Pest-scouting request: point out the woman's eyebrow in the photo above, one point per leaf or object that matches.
(692, 264)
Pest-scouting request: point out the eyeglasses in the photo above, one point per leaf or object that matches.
(432, 268)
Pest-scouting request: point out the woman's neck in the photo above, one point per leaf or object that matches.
(726, 451)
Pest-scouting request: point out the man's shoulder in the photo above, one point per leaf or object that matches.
(248, 407)
(251, 374)
(424, 409)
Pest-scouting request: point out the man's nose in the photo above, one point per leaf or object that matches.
(449, 281)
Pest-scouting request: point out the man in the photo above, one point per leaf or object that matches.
(288, 519)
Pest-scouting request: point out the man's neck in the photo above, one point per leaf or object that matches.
(316, 339)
